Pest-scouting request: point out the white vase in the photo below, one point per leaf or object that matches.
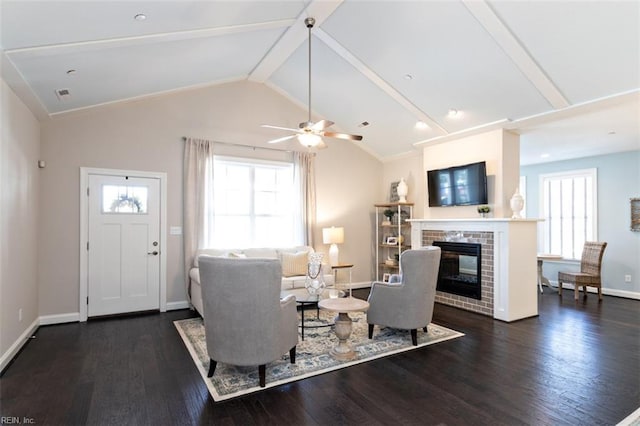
(517, 203)
(403, 190)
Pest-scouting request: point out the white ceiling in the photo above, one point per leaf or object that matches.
(563, 74)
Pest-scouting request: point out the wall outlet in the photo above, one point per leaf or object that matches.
(627, 278)
(20, 315)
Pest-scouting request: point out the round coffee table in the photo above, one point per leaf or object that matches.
(343, 324)
(303, 298)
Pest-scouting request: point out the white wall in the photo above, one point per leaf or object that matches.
(501, 151)
(147, 135)
(348, 185)
(19, 191)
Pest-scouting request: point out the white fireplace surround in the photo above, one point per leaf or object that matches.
(514, 260)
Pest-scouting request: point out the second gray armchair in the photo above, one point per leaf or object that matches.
(408, 304)
(245, 321)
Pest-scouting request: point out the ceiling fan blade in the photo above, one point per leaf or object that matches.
(322, 124)
(342, 136)
(282, 139)
(280, 128)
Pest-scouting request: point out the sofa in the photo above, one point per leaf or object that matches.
(293, 260)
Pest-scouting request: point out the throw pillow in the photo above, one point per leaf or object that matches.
(237, 255)
(294, 263)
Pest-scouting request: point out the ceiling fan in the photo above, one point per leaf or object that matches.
(309, 133)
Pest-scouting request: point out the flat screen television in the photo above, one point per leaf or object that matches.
(458, 186)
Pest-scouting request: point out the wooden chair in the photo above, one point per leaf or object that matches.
(589, 275)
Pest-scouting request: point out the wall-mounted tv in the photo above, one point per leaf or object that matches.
(458, 186)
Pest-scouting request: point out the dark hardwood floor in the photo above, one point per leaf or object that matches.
(577, 363)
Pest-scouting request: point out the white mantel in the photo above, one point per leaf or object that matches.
(515, 263)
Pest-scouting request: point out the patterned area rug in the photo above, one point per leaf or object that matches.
(312, 354)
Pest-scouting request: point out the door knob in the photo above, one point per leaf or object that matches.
(155, 252)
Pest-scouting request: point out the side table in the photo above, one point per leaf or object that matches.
(336, 268)
(343, 324)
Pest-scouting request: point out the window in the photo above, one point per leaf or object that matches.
(124, 199)
(569, 207)
(253, 204)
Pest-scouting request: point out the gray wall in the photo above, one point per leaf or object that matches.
(618, 180)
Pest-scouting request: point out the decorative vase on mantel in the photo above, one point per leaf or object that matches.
(516, 203)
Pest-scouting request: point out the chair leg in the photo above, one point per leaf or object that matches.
(262, 372)
(559, 288)
(414, 337)
(292, 355)
(600, 293)
(370, 331)
(425, 329)
(576, 291)
(212, 367)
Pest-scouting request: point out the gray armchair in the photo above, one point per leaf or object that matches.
(245, 321)
(408, 304)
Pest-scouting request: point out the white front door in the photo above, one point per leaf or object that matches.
(124, 244)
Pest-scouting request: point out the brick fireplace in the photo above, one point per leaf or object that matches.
(508, 273)
(485, 304)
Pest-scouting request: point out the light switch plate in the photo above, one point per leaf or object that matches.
(175, 230)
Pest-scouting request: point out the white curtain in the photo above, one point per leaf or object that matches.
(198, 184)
(304, 176)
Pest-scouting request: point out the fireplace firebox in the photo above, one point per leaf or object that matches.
(460, 269)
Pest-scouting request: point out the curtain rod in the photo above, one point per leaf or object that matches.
(184, 139)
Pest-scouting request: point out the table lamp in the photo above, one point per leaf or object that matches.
(333, 236)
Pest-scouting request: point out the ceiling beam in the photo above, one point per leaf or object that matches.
(377, 80)
(76, 47)
(516, 51)
(292, 39)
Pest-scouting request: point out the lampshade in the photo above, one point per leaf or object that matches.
(333, 235)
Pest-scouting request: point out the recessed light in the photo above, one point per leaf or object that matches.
(454, 113)
(71, 72)
(421, 125)
(612, 132)
(408, 77)
(363, 124)
(545, 155)
(140, 17)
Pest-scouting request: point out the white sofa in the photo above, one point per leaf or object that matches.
(293, 260)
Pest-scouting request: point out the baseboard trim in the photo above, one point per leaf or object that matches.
(606, 291)
(60, 318)
(174, 306)
(13, 350)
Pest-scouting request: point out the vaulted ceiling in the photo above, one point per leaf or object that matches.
(564, 74)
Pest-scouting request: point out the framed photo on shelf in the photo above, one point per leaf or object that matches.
(386, 277)
(393, 192)
(391, 241)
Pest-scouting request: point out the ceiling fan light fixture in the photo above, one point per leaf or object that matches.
(309, 140)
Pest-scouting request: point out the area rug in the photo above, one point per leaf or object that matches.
(312, 354)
